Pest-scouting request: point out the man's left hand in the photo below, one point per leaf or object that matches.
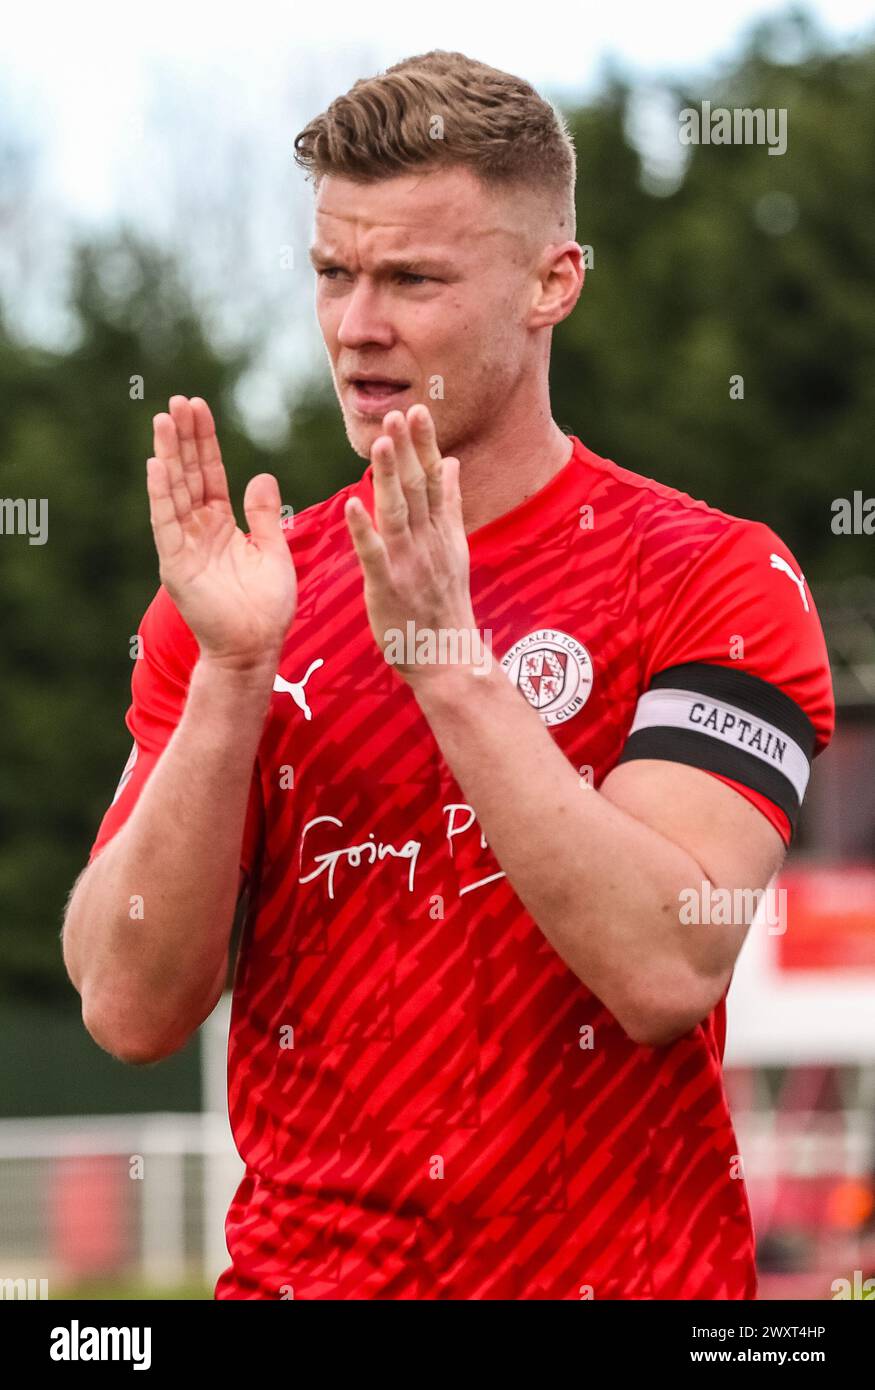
(415, 560)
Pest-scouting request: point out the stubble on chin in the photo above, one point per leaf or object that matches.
(361, 438)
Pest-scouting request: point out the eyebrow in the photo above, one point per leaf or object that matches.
(403, 265)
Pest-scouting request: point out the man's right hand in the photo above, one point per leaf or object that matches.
(238, 594)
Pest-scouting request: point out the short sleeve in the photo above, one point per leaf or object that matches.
(736, 678)
(166, 654)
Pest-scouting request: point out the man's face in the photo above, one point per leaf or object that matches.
(423, 284)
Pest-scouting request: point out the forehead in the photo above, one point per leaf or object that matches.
(449, 209)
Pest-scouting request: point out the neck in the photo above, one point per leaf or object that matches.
(501, 469)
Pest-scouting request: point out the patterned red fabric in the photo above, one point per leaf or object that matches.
(428, 1102)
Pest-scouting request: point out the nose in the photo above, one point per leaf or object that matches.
(364, 319)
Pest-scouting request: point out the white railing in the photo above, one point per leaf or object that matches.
(143, 1198)
(138, 1196)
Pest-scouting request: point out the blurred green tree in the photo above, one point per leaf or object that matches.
(75, 428)
(756, 265)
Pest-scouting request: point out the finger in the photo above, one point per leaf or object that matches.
(166, 529)
(263, 508)
(167, 450)
(410, 470)
(367, 543)
(183, 418)
(390, 503)
(452, 490)
(424, 438)
(210, 455)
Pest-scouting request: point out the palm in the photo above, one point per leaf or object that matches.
(236, 593)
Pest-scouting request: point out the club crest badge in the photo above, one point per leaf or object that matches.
(553, 671)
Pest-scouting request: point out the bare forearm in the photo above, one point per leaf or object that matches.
(147, 930)
(603, 887)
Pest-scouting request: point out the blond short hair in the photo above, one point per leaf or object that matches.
(441, 110)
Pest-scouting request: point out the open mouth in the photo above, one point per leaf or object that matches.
(380, 389)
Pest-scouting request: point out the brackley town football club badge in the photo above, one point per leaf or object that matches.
(553, 671)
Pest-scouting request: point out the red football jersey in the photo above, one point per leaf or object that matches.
(428, 1102)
